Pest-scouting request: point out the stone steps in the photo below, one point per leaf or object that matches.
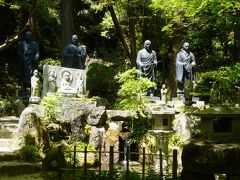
(13, 168)
(8, 135)
(9, 145)
(8, 127)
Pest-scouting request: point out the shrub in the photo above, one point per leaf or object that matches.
(49, 61)
(80, 146)
(100, 80)
(30, 152)
(132, 92)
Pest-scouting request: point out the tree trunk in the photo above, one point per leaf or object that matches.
(175, 47)
(67, 23)
(32, 20)
(132, 37)
(119, 30)
(236, 52)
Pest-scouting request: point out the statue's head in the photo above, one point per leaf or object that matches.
(147, 45)
(75, 39)
(35, 72)
(186, 46)
(28, 36)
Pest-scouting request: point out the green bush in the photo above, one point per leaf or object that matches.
(80, 146)
(50, 106)
(7, 106)
(49, 61)
(132, 92)
(100, 80)
(225, 81)
(176, 140)
(30, 152)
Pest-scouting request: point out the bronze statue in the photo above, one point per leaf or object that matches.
(146, 62)
(28, 52)
(74, 55)
(185, 62)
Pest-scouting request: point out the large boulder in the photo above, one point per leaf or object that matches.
(204, 158)
(97, 116)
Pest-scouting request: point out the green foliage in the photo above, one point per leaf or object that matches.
(132, 92)
(30, 152)
(50, 104)
(49, 61)
(100, 80)
(104, 175)
(7, 106)
(176, 140)
(80, 147)
(225, 81)
(152, 175)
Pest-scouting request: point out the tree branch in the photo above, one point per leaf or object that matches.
(12, 39)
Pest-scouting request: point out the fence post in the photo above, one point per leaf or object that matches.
(143, 164)
(111, 162)
(85, 161)
(160, 163)
(100, 159)
(175, 165)
(128, 150)
(59, 163)
(74, 156)
(74, 159)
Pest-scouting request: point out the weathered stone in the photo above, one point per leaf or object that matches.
(77, 128)
(73, 109)
(118, 115)
(53, 160)
(197, 176)
(111, 138)
(29, 121)
(181, 126)
(19, 105)
(96, 136)
(55, 76)
(98, 116)
(209, 158)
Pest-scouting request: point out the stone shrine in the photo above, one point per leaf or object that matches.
(65, 81)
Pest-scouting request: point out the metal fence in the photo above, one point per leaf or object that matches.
(172, 168)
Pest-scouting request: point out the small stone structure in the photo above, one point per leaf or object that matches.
(220, 124)
(217, 152)
(162, 119)
(201, 159)
(66, 81)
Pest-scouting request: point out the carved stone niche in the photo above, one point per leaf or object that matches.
(66, 81)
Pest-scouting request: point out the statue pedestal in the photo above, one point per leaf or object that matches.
(34, 99)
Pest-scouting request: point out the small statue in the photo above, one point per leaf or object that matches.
(52, 85)
(35, 88)
(28, 52)
(66, 88)
(80, 84)
(74, 54)
(164, 91)
(214, 94)
(146, 62)
(185, 63)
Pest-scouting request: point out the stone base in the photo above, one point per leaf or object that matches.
(34, 100)
(202, 159)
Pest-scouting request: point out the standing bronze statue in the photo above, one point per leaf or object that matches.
(146, 62)
(28, 52)
(74, 55)
(185, 63)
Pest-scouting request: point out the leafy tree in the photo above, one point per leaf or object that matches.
(132, 92)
